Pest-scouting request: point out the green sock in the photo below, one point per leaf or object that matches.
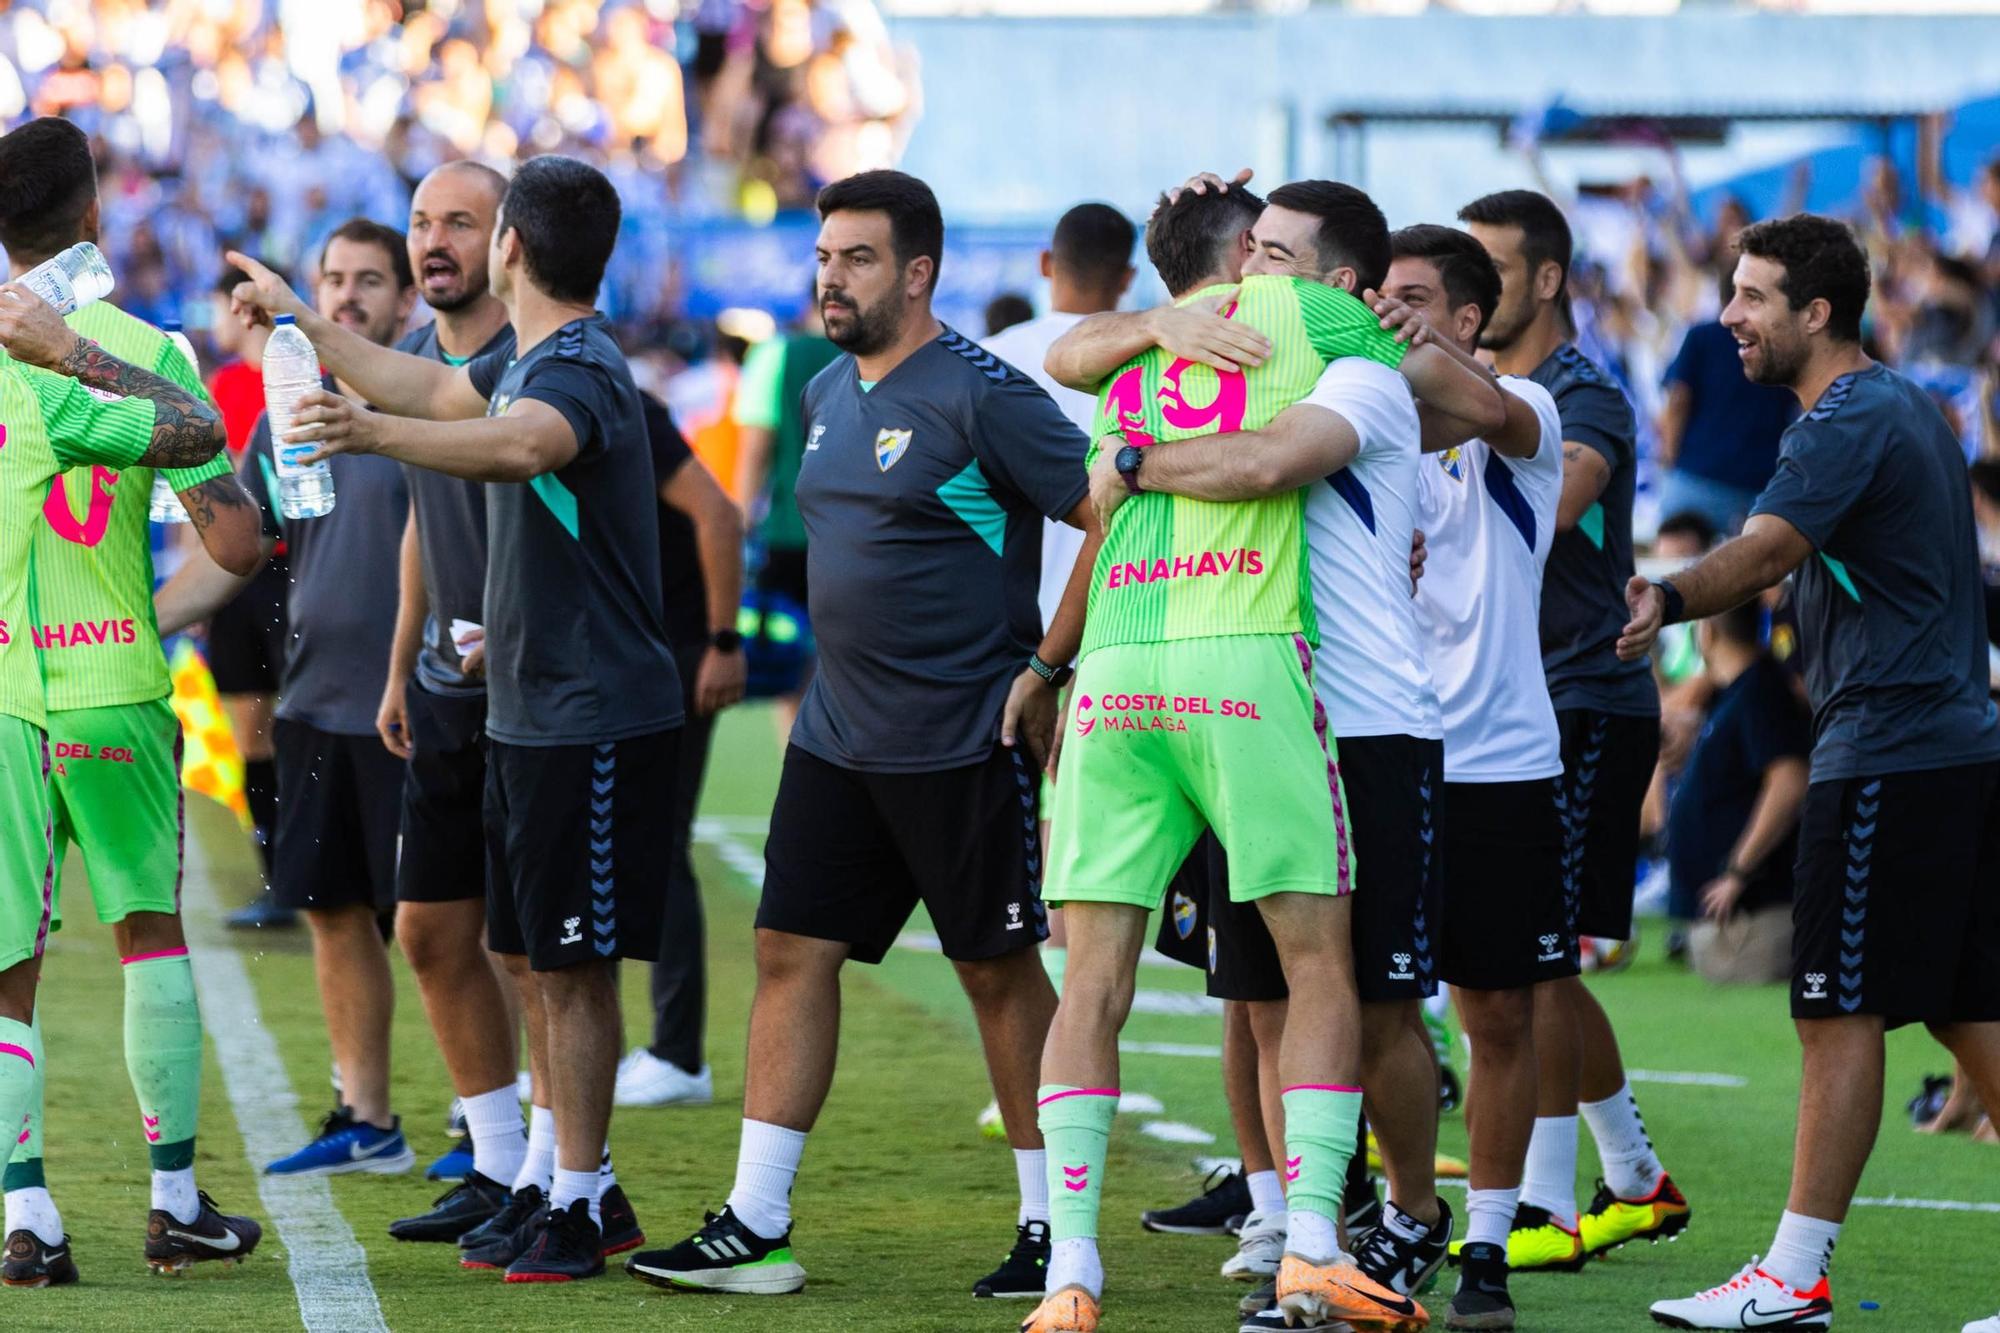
(1054, 958)
(163, 1054)
(20, 1101)
(1322, 1122)
(1076, 1124)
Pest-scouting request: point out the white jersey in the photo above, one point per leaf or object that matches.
(1489, 520)
(1371, 671)
(1025, 347)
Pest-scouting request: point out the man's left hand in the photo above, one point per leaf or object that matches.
(719, 681)
(31, 330)
(1399, 318)
(1107, 485)
(1419, 553)
(1029, 721)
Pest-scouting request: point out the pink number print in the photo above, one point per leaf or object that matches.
(1128, 406)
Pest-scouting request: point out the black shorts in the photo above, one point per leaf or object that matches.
(340, 799)
(578, 846)
(1394, 800)
(1896, 903)
(784, 572)
(1184, 934)
(248, 639)
(443, 857)
(1608, 764)
(1504, 925)
(850, 855)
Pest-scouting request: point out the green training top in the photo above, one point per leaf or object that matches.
(1174, 568)
(99, 639)
(48, 422)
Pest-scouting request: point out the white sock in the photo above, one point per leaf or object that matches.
(1074, 1263)
(606, 1175)
(569, 1186)
(174, 1193)
(1311, 1234)
(1489, 1216)
(1799, 1254)
(1550, 1179)
(1031, 1168)
(767, 1161)
(33, 1210)
(1266, 1194)
(1631, 1168)
(538, 1167)
(499, 1141)
(1402, 1225)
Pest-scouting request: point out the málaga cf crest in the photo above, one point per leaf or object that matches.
(890, 446)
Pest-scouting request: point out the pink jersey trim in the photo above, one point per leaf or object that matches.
(1078, 1092)
(1322, 1087)
(159, 953)
(8, 1048)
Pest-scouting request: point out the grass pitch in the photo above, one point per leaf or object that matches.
(900, 1204)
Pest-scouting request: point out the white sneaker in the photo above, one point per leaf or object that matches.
(1983, 1325)
(1260, 1245)
(1751, 1299)
(646, 1080)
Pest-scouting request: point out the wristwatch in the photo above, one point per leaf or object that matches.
(725, 641)
(1674, 610)
(1127, 461)
(1055, 676)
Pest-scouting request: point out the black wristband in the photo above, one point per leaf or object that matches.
(1676, 606)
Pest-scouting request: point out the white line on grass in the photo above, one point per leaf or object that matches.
(1174, 1048)
(1929, 1205)
(1695, 1079)
(329, 1268)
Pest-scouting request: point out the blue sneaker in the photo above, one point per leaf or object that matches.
(456, 1164)
(345, 1144)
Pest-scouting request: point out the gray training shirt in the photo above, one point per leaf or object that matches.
(1583, 588)
(575, 650)
(1892, 617)
(923, 501)
(344, 566)
(451, 533)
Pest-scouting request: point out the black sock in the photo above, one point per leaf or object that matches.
(260, 788)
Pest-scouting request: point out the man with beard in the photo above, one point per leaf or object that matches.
(929, 467)
(1896, 902)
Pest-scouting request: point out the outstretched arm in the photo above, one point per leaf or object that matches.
(1728, 576)
(531, 439)
(1302, 444)
(1099, 345)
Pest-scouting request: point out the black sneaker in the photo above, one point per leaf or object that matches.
(466, 1205)
(1025, 1270)
(1481, 1301)
(621, 1223)
(1404, 1267)
(1274, 1320)
(566, 1247)
(500, 1241)
(31, 1263)
(1363, 1210)
(1265, 1297)
(173, 1247)
(724, 1255)
(1225, 1197)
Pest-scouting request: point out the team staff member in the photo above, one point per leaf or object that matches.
(1609, 714)
(583, 702)
(1897, 893)
(929, 467)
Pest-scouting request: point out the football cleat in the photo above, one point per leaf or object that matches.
(566, 1247)
(1405, 1267)
(32, 1262)
(1443, 1165)
(1611, 1221)
(723, 1256)
(1751, 1299)
(1540, 1244)
(1225, 1197)
(345, 1145)
(1259, 1247)
(471, 1203)
(1025, 1270)
(1328, 1290)
(1481, 1301)
(1265, 1297)
(173, 1246)
(1071, 1310)
(991, 1124)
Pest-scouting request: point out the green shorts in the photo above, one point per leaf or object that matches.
(27, 855)
(117, 784)
(1167, 739)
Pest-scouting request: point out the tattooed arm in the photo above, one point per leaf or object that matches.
(187, 432)
(228, 523)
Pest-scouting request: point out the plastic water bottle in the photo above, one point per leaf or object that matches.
(167, 506)
(71, 280)
(291, 371)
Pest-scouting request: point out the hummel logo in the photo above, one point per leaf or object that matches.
(1550, 953)
(228, 1242)
(1401, 972)
(812, 440)
(572, 930)
(1815, 986)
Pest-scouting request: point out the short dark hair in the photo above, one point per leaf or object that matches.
(365, 231)
(916, 225)
(1186, 239)
(1006, 310)
(47, 181)
(1822, 260)
(1742, 624)
(1985, 475)
(566, 213)
(1352, 231)
(232, 278)
(1093, 243)
(1689, 523)
(1544, 229)
(1463, 265)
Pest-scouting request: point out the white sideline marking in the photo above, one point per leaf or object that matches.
(1697, 1079)
(1176, 1003)
(329, 1269)
(1140, 1103)
(1183, 1049)
(1173, 1131)
(1929, 1205)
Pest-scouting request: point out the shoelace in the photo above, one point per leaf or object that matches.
(1378, 1248)
(1735, 1284)
(1216, 1180)
(336, 1120)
